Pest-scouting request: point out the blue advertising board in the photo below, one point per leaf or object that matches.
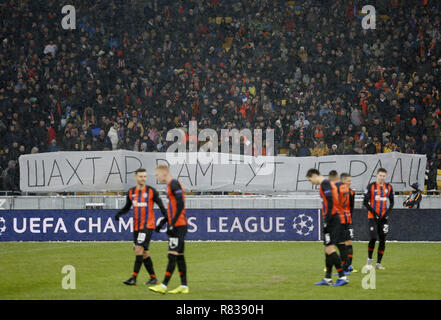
(203, 224)
(404, 225)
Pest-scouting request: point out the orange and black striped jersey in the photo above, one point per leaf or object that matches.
(344, 202)
(330, 201)
(375, 200)
(142, 201)
(176, 204)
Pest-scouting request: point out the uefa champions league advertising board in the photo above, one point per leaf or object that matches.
(203, 225)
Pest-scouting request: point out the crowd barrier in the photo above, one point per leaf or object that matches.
(287, 201)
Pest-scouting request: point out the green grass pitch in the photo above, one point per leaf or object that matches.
(216, 270)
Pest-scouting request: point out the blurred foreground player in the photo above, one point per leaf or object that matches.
(332, 228)
(142, 197)
(375, 200)
(176, 231)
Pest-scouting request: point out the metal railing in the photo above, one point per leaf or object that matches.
(211, 193)
(294, 201)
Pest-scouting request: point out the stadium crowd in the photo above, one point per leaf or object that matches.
(132, 70)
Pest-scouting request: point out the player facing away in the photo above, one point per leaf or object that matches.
(176, 231)
(349, 232)
(343, 211)
(375, 200)
(332, 227)
(142, 197)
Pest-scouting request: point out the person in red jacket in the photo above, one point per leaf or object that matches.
(52, 135)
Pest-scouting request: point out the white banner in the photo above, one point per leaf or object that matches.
(114, 171)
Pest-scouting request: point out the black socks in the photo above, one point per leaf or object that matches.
(333, 260)
(381, 247)
(138, 264)
(371, 248)
(148, 264)
(182, 267)
(170, 268)
(350, 253)
(343, 256)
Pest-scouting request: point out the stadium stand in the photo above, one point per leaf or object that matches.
(132, 70)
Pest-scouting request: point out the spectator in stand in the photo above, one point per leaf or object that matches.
(334, 150)
(302, 150)
(10, 177)
(320, 149)
(51, 49)
(113, 135)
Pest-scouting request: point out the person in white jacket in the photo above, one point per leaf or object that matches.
(113, 135)
(50, 48)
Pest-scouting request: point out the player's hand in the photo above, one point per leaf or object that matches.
(160, 224)
(171, 231)
(117, 216)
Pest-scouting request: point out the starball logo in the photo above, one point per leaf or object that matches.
(2, 225)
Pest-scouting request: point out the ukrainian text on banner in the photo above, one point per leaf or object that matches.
(114, 171)
(203, 224)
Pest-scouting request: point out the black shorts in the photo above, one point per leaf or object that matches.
(349, 232)
(176, 242)
(377, 229)
(142, 238)
(336, 232)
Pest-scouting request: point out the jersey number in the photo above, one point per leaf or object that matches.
(141, 237)
(173, 243)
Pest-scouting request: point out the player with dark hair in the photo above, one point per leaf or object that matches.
(349, 230)
(332, 227)
(333, 175)
(343, 211)
(176, 231)
(375, 200)
(142, 197)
